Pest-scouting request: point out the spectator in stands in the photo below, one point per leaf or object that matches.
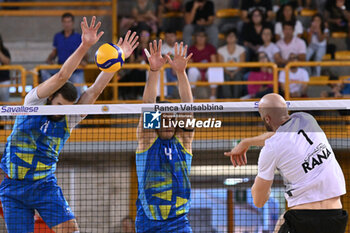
(299, 4)
(345, 89)
(338, 17)
(65, 43)
(287, 14)
(295, 74)
(143, 12)
(5, 59)
(338, 90)
(251, 32)
(265, 74)
(128, 225)
(169, 48)
(291, 44)
(137, 75)
(203, 52)
(200, 13)
(248, 6)
(232, 52)
(166, 6)
(317, 39)
(270, 48)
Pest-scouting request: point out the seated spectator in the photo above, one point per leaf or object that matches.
(300, 4)
(317, 39)
(287, 14)
(166, 6)
(251, 32)
(270, 48)
(265, 74)
(291, 44)
(136, 75)
(337, 15)
(65, 43)
(5, 59)
(143, 12)
(345, 89)
(295, 74)
(169, 47)
(203, 52)
(200, 13)
(232, 52)
(248, 6)
(338, 90)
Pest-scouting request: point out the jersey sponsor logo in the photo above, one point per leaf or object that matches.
(316, 158)
(45, 126)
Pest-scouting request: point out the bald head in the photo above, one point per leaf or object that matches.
(273, 111)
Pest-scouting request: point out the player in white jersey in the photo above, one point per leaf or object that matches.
(299, 149)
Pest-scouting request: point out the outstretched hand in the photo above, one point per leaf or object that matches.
(89, 33)
(129, 43)
(180, 60)
(155, 58)
(238, 154)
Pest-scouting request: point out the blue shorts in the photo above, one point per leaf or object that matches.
(21, 197)
(179, 224)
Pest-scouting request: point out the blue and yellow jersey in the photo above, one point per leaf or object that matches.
(163, 179)
(32, 149)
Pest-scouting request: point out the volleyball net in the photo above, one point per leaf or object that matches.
(97, 165)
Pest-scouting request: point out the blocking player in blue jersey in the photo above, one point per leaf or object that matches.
(164, 156)
(32, 149)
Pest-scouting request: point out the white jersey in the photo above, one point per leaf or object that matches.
(302, 154)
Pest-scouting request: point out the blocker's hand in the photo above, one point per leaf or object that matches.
(129, 43)
(238, 154)
(89, 33)
(155, 58)
(180, 60)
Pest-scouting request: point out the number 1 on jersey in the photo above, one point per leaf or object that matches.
(305, 135)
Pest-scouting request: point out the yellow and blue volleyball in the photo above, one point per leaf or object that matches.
(109, 57)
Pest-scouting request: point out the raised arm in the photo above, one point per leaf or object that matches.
(128, 45)
(156, 61)
(89, 37)
(238, 153)
(179, 64)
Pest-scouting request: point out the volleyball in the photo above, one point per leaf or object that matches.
(109, 57)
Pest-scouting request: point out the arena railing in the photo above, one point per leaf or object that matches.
(313, 82)
(115, 84)
(45, 8)
(20, 81)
